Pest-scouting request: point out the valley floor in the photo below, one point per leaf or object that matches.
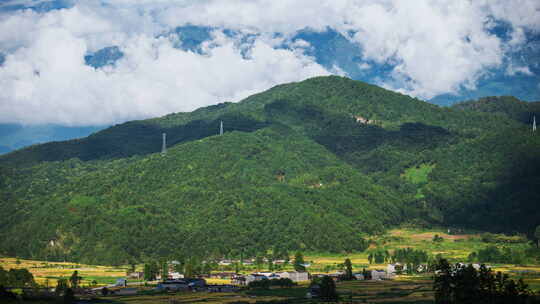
(403, 289)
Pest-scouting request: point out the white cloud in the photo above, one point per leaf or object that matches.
(513, 70)
(435, 47)
(49, 82)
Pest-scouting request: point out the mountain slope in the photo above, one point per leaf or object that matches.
(307, 105)
(312, 165)
(214, 195)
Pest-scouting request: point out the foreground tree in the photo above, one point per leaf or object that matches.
(458, 284)
(61, 286)
(328, 289)
(69, 296)
(537, 235)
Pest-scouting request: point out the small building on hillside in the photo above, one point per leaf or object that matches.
(225, 262)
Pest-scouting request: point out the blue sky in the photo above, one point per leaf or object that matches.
(87, 63)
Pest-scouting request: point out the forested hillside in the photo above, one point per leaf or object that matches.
(508, 106)
(313, 165)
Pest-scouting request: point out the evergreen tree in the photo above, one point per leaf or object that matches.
(348, 269)
(259, 262)
(270, 264)
(61, 286)
(147, 272)
(299, 262)
(537, 235)
(75, 280)
(328, 289)
(164, 270)
(189, 270)
(151, 271)
(460, 284)
(443, 283)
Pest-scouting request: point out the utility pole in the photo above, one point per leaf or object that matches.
(221, 128)
(164, 144)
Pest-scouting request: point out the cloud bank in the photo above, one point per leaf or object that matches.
(433, 47)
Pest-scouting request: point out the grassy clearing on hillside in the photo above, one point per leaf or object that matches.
(418, 175)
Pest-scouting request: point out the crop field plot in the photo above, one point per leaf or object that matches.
(47, 273)
(284, 295)
(181, 298)
(401, 290)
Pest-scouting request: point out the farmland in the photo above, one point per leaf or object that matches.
(405, 288)
(46, 273)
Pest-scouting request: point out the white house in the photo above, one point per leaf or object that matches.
(379, 274)
(393, 269)
(254, 277)
(175, 275)
(295, 276)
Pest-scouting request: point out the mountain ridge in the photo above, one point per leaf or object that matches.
(314, 165)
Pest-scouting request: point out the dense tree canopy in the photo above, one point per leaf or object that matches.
(313, 165)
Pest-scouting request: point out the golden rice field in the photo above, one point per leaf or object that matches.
(47, 272)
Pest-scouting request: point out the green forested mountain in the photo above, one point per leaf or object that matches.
(312, 165)
(504, 105)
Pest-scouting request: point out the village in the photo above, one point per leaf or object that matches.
(231, 281)
(389, 269)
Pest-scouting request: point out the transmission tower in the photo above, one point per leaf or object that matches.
(164, 144)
